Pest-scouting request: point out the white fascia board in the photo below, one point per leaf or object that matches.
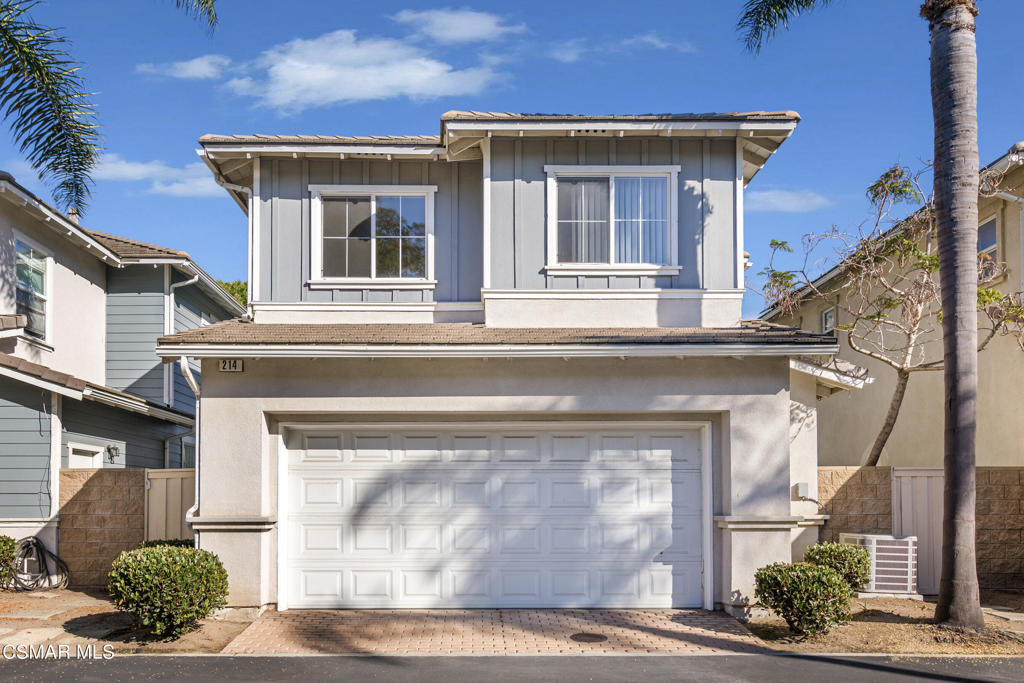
(117, 400)
(607, 294)
(13, 332)
(218, 178)
(61, 222)
(325, 150)
(41, 383)
(780, 126)
(828, 377)
(654, 350)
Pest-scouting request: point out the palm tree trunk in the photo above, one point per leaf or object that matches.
(954, 79)
(902, 378)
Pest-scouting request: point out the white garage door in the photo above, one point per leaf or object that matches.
(517, 515)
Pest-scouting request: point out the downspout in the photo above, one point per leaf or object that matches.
(169, 329)
(186, 371)
(248, 191)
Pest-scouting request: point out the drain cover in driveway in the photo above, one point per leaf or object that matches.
(588, 637)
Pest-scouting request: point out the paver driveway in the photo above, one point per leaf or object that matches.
(494, 632)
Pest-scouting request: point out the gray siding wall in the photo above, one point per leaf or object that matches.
(285, 226)
(24, 451)
(706, 210)
(192, 307)
(139, 439)
(135, 318)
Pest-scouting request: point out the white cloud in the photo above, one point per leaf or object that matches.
(339, 67)
(569, 51)
(200, 68)
(653, 40)
(190, 180)
(785, 201)
(457, 25)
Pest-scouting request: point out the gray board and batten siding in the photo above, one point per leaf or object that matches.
(135, 319)
(24, 451)
(284, 211)
(706, 197)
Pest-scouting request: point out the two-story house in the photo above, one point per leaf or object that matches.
(502, 366)
(80, 383)
(848, 424)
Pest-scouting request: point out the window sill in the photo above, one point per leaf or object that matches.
(622, 269)
(28, 339)
(371, 283)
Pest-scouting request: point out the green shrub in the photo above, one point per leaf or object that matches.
(811, 599)
(7, 548)
(168, 588)
(176, 542)
(851, 561)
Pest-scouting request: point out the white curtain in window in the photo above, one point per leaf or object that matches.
(641, 220)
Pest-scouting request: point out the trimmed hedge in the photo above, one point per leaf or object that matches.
(176, 542)
(7, 547)
(168, 588)
(811, 599)
(851, 561)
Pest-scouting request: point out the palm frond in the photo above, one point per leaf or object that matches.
(762, 19)
(203, 10)
(42, 98)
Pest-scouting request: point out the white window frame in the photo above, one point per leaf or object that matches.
(994, 250)
(670, 172)
(47, 339)
(99, 453)
(825, 329)
(317, 278)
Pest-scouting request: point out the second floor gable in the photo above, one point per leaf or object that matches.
(508, 219)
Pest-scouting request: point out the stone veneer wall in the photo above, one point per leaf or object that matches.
(859, 500)
(102, 512)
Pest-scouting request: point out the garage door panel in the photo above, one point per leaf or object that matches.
(434, 517)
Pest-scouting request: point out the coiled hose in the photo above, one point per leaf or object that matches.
(36, 568)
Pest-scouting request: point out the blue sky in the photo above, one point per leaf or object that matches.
(857, 72)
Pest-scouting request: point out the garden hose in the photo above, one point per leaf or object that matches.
(36, 568)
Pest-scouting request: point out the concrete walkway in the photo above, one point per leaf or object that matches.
(494, 632)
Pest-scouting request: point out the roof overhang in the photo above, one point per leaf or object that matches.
(170, 352)
(118, 399)
(33, 380)
(829, 380)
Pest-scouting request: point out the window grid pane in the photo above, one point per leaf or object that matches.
(375, 236)
(641, 220)
(583, 206)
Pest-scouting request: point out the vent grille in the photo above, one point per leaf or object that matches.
(893, 561)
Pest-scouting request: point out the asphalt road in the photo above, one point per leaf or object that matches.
(759, 668)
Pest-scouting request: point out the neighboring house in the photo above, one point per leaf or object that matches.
(503, 366)
(80, 383)
(848, 425)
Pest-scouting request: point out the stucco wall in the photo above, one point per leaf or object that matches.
(76, 316)
(747, 401)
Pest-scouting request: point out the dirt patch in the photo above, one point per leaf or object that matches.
(893, 625)
(88, 617)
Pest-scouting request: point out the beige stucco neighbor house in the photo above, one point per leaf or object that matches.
(503, 366)
(848, 424)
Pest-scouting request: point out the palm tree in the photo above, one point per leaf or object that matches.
(43, 99)
(954, 85)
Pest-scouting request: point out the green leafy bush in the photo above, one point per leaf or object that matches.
(168, 588)
(7, 548)
(176, 542)
(851, 561)
(811, 599)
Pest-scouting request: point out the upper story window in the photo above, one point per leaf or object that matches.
(31, 267)
(612, 219)
(828, 320)
(988, 249)
(365, 236)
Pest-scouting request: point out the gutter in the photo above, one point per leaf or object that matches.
(235, 190)
(190, 514)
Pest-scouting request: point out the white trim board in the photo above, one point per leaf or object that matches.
(632, 294)
(654, 350)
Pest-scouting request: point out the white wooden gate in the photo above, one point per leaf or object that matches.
(169, 494)
(917, 511)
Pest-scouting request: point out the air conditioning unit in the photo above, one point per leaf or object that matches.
(893, 563)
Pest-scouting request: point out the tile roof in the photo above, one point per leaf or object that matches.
(456, 115)
(127, 248)
(244, 332)
(324, 139)
(41, 372)
(12, 321)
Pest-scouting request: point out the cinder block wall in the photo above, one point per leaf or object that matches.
(102, 512)
(859, 500)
